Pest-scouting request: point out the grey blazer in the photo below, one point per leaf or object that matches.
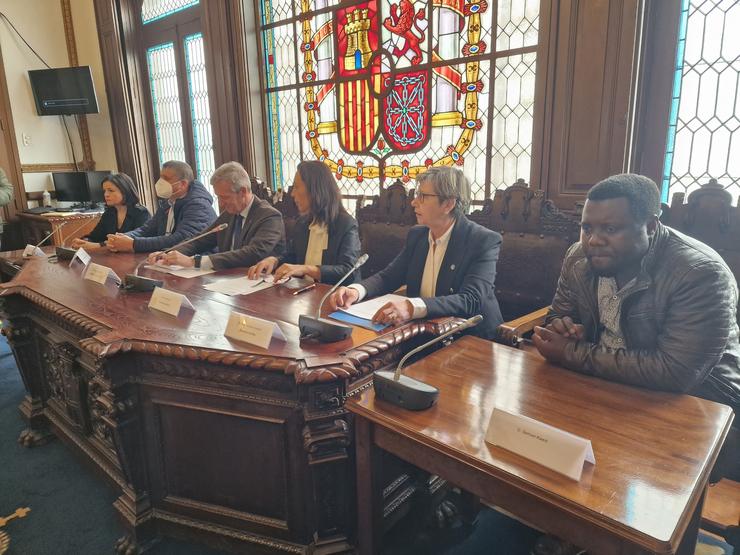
(263, 234)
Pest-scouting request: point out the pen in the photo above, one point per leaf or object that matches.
(302, 289)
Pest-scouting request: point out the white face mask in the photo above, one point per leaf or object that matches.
(163, 188)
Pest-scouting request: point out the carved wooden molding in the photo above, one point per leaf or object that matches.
(69, 36)
(45, 168)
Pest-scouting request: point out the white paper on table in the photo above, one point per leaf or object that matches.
(179, 271)
(239, 286)
(253, 330)
(169, 301)
(367, 309)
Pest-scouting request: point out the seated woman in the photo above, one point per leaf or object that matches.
(448, 263)
(325, 242)
(123, 212)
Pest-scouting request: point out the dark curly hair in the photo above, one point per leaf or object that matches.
(641, 193)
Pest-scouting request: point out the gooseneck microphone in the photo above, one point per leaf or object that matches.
(135, 282)
(64, 252)
(406, 392)
(321, 329)
(27, 253)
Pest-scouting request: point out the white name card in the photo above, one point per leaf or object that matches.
(32, 250)
(100, 274)
(83, 256)
(254, 331)
(551, 447)
(169, 301)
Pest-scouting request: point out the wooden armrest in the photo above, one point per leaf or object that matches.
(510, 333)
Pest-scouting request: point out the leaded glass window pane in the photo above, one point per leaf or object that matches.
(362, 88)
(704, 131)
(166, 102)
(200, 111)
(152, 10)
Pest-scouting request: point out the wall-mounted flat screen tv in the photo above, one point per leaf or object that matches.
(64, 91)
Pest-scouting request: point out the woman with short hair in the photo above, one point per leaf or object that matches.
(123, 212)
(325, 241)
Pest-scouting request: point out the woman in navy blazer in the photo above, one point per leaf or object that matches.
(123, 211)
(325, 241)
(448, 263)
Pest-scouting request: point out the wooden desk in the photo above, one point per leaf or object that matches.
(36, 226)
(204, 437)
(654, 451)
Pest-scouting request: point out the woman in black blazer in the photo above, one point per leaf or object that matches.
(325, 241)
(123, 212)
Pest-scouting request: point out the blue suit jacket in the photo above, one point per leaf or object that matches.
(466, 277)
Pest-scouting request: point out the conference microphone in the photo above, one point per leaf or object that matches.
(64, 252)
(135, 282)
(322, 329)
(29, 252)
(406, 392)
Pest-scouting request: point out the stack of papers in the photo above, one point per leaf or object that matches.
(239, 286)
(179, 271)
(361, 314)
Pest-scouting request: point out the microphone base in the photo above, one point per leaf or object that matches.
(138, 283)
(406, 393)
(323, 330)
(65, 253)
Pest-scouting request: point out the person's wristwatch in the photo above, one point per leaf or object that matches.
(196, 259)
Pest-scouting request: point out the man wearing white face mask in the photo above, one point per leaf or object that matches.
(185, 209)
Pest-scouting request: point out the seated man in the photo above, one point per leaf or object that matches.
(448, 263)
(185, 209)
(640, 303)
(255, 228)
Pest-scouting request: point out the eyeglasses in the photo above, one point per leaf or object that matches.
(422, 196)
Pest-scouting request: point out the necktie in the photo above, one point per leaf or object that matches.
(237, 231)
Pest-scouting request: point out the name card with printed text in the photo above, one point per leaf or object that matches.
(551, 447)
(252, 330)
(169, 301)
(82, 256)
(32, 250)
(100, 274)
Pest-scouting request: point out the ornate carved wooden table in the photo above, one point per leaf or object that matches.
(204, 437)
(654, 451)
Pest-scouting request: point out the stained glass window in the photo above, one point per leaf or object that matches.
(200, 111)
(381, 89)
(166, 102)
(704, 132)
(152, 10)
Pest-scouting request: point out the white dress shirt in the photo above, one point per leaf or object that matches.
(205, 262)
(435, 255)
(318, 240)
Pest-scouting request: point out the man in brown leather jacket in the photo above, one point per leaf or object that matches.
(640, 303)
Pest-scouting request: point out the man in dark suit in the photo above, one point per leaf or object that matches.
(448, 263)
(255, 229)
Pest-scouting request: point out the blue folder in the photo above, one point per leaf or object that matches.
(356, 321)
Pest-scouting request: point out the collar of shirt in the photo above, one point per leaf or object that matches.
(244, 212)
(443, 240)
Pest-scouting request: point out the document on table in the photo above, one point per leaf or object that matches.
(179, 271)
(367, 309)
(239, 286)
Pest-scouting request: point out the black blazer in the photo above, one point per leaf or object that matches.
(340, 254)
(136, 216)
(466, 277)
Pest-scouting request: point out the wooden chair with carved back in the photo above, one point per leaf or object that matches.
(708, 214)
(286, 206)
(536, 236)
(384, 224)
(260, 189)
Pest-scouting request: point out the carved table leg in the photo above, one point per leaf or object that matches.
(136, 516)
(34, 437)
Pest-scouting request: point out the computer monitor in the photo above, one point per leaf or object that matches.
(71, 186)
(63, 91)
(80, 187)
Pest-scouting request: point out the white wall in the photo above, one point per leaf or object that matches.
(41, 24)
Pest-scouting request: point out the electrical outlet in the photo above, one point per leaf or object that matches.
(26, 139)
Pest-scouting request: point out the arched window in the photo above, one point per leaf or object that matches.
(381, 89)
(175, 61)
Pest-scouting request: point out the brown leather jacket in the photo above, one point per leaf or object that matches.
(678, 320)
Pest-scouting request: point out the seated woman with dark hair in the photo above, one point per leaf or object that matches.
(325, 241)
(123, 212)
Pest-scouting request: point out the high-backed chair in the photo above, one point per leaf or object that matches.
(286, 206)
(536, 236)
(709, 216)
(260, 189)
(384, 224)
